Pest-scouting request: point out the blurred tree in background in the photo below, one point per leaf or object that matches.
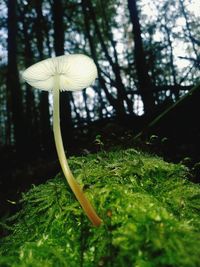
(146, 54)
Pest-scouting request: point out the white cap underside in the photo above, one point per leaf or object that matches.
(75, 72)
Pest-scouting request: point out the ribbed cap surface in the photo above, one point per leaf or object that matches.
(75, 72)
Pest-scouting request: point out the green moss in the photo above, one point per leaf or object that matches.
(150, 212)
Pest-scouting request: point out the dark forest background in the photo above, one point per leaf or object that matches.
(147, 55)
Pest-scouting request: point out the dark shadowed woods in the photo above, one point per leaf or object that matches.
(146, 95)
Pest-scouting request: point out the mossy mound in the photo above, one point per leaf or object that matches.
(150, 213)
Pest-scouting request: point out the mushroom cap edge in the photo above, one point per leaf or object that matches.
(75, 71)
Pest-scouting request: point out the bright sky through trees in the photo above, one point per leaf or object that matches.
(150, 12)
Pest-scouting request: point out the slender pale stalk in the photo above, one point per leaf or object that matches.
(84, 202)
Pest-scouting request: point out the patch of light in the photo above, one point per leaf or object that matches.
(149, 9)
(109, 108)
(138, 105)
(180, 21)
(180, 50)
(120, 48)
(158, 36)
(78, 96)
(90, 91)
(194, 7)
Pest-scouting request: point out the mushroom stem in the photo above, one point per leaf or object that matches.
(84, 202)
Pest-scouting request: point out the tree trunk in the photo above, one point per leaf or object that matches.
(46, 132)
(144, 81)
(117, 103)
(30, 115)
(86, 107)
(171, 57)
(116, 66)
(13, 84)
(188, 29)
(8, 118)
(110, 98)
(121, 94)
(65, 107)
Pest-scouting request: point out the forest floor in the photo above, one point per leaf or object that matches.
(149, 209)
(17, 176)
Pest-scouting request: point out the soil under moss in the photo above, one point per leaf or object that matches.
(149, 208)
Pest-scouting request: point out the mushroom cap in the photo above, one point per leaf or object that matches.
(75, 72)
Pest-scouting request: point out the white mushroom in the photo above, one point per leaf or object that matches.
(65, 73)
